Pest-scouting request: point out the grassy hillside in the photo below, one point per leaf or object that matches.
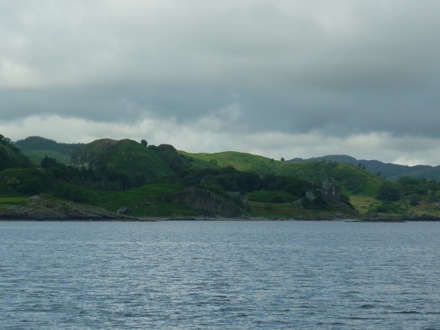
(161, 181)
(145, 201)
(10, 155)
(35, 156)
(36, 148)
(386, 170)
(352, 179)
(129, 159)
(238, 160)
(416, 197)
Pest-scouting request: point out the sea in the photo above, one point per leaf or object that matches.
(219, 275)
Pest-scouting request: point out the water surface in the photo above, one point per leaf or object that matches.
(219, 275)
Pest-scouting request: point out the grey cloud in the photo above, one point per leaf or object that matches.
(265, 109)
(335, 68)
(244, 42)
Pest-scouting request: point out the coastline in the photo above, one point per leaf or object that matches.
(118, 218)
(39, 208)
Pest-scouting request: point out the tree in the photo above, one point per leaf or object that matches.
(144, 142)
(5, 140)
(48, 162)
(389, 191)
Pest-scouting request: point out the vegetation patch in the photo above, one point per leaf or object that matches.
(364, 204)
(270, 197)
(151, 180)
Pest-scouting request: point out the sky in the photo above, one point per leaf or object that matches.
(278, 78)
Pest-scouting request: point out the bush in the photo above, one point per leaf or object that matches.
(389, 191)
(271, 197)
(388, 207)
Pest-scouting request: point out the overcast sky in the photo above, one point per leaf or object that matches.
(279, 78)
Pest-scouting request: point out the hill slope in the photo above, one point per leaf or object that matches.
(10, 156)
(352, 179)
(126, 158)
(387, 170)
(161, 181)
(36, 148)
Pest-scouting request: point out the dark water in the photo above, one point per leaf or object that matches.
(219, 275)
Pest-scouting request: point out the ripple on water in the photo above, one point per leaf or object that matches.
(219, 275)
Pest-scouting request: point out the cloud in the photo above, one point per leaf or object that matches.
(345, 44)
(337, 70)
(197, 137)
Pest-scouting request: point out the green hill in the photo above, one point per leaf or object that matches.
(353, 180)
(10, 155)
(386, 170)
(161, 181)
(36, 148)
(421, 172)
(126, 159)
(238, 160)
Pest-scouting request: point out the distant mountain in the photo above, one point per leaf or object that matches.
(36, 147)
(386, 170)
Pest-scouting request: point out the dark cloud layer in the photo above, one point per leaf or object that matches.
(278, 109)
(338, 69)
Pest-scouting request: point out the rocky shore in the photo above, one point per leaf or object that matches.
(41, 208)
(45, 208)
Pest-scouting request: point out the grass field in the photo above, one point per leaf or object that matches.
(364, 204)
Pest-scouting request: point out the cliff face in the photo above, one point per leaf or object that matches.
(206, 202)
(41, 208)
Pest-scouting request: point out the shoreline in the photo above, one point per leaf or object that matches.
(360, 219)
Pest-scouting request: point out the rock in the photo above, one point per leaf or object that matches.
(124, 210)
(44, 208)
(206, 202)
